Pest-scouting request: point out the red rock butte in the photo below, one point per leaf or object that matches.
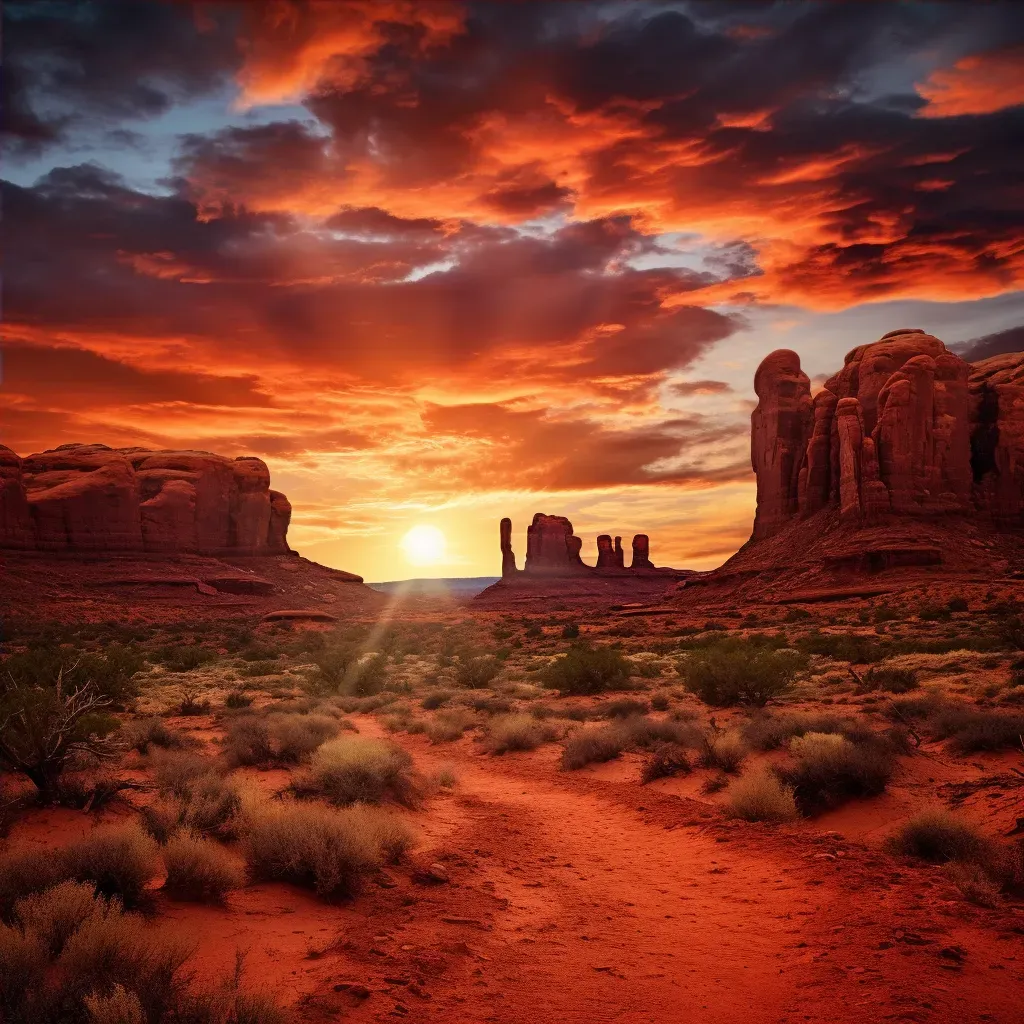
(552, 549)
(908, 457)
(90, 498)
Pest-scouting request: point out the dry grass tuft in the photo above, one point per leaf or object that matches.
(828, 769)
(278, 738)
(358, 769)
(940, 837)
(327, 849)
(516, 732)
(199, 869)
(759, 795)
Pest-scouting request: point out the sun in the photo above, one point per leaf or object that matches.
(424, 545)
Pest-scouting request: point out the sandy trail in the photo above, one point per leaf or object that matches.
(580, 909)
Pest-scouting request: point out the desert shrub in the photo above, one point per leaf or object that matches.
(236, 699)
(769, 732)
(185, 657)
(261, 669)
(891, 680)
(162, 818)
(121, 949)
(343, 668)
(828, 769)
(176, 771)
(850, 647)
(736, 673)
(23, 964)
(118, 859)
(280, 737)
(435, 699)
(883, 613)
(24, 872)
(722, 750)
(587, 670)
(109, 674)
(759, 795)
(641, 733)
(974, 882)
(119, 1007)
(589, 746)
(970, 729)
(356, 768)
(144, 733)
(321, 847)
(477, 673)
(796, 614)
(490, 705)
(44, 730)
(193, 702)
(646, 669)
(660, 702)
(199, 869)
(55, 914)
(666, 760)
(940, 837)
(623, 707)
(570, 631)
(447, 726)
(516, 732)
(957, 604)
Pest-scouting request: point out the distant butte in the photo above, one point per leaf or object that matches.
(909, 463)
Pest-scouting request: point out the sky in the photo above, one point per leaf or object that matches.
(438, 263)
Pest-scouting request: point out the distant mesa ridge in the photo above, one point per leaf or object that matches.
(552, 549)
(906, 428)
(81, 498)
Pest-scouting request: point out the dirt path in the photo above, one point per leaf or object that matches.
(565, 905)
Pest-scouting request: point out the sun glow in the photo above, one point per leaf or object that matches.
(424, 545)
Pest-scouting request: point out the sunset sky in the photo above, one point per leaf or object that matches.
(437, 263)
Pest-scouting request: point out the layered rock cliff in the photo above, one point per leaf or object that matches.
(906, 428)
(91, 498)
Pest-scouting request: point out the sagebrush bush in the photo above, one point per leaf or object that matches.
(279, 737)
(769, 732)
(119, 1007)
(477, 673)
(55, 914)
(357, 768)
(733, 672)
(759, 795)
(587, 670)
(516, 732)
(852, 647)
(722, 750)
(119, 859)
(185, 657)
(448, 726)
(143, 733)
(623, 707)
(974, 882)
(666, 760)
(177, 771)
(324, 848)
(828, 769)
(940, 837)
(237, 699)
(199, 869)
(110, 674)
(891, 680)
(435, 699)
(971, 729)
(588, 746)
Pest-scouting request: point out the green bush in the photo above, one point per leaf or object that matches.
(110, 674)
(940, 837)
(737, 673)
(769, 732)
(970, 729)
(144, 733)
(185, 657)
(850, 647)
(587, 670)
(570, 631)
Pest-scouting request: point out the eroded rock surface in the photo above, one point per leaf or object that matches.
(906, 427)
(91, 498)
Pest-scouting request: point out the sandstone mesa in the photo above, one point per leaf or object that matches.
(81, 498)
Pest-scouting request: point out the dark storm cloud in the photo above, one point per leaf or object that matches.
(1010, 340)
(67, 63)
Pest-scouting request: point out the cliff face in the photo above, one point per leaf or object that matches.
(91, 498)
(906, 428)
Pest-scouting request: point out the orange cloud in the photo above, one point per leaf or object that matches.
(979, 84)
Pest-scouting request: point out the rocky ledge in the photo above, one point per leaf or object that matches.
(81, 498)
